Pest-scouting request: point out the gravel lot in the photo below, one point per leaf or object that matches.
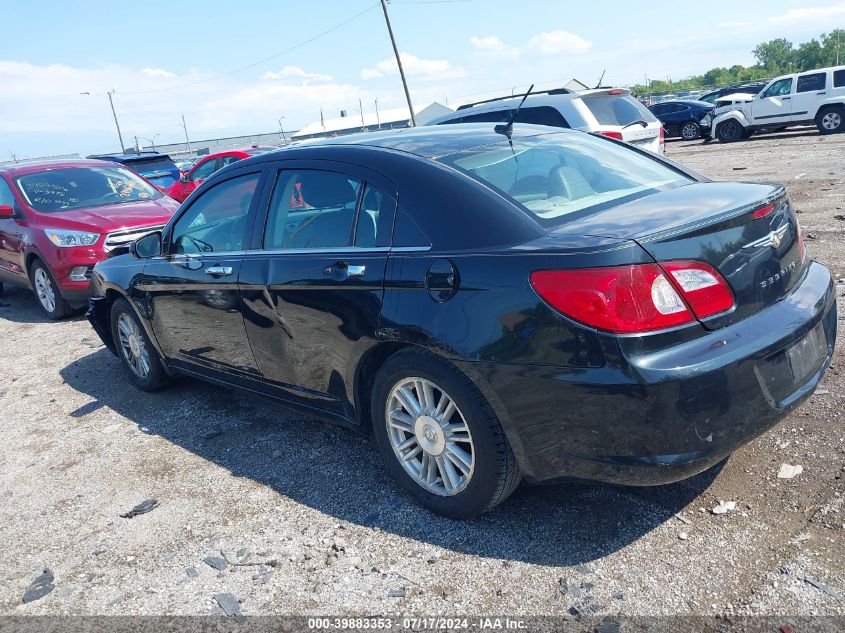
(310, 505)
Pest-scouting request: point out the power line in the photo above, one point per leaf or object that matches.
(261, 61)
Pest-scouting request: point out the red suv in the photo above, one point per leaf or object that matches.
(59, 218)
(206, 166)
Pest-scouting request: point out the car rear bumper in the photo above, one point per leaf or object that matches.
(663, 416)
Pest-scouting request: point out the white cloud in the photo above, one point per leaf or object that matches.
(556, 42)
(414, 67)
(810, 14)
(44, 113)
(157, 72)
(295, 72)
(732, 25)
(492, 47)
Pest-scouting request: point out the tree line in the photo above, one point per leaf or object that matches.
(775, 57)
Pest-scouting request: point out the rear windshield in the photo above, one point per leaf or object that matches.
(80, 187)
(557, 177)
(617, 110)
(150, 165)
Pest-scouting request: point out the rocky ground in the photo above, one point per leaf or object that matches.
(292, 516)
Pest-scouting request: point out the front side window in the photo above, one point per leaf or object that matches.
(779, 88)
(68, 188)
(555, 177)
(311, 209)
(7, 198)
(808, 83)
(204, 170)
(217, 221)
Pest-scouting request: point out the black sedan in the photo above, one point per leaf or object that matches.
(546, 305)
(687, 119)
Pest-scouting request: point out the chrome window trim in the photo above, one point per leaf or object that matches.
(299, 251)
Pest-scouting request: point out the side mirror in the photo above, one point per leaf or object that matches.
(6, 211)
(147, 246)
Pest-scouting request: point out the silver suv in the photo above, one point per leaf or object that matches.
(609, 111)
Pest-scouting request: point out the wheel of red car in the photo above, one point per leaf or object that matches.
(439, 436)
(47, 291)
(136, 352)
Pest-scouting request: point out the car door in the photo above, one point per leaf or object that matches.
(198, 173)
(192, 290)
(11, 239)
(774, 105)
(810, 90)
(313, 294)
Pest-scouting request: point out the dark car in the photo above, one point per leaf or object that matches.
(551, 304)
(749, 88)
(157, 169)
(685, 118)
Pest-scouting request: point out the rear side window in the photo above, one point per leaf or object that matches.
(150, 165)
(541, 115)
(557, 176)
(808, 83)
(838, 78)
(617, 110)
(312, 209)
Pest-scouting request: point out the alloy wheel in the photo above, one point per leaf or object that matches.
(44, 289)
(689, 132)
(831, 121)
(430, 436)
(132, 346)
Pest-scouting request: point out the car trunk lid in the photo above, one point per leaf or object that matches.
(748, 232)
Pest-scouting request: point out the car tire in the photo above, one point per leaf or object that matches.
(831, 120)
(134, 349)
(474, 454)
(47, 291)
(729, 131)
(690, 131)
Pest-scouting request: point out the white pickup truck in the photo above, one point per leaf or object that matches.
(812, 97)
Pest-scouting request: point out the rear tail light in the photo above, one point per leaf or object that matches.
(616, 135)
(637, 297)
(703, 288)
(661, 144)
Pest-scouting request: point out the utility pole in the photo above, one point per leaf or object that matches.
(137, 147)
(116, 124)
(399, 62)
(378, 120)
(114, 114)
(185, 127)
(282, 130)
(361, 110)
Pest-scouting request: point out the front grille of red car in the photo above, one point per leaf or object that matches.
(126, 236)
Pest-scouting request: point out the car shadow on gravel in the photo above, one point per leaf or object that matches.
(19, 305)
(339, 472)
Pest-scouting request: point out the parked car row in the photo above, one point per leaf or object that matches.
(489, 298)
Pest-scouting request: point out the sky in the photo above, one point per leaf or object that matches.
(235, 68)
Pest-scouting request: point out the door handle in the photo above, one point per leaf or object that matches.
(342, 270)
(218, 271)
(785, 98)
(821, 93)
